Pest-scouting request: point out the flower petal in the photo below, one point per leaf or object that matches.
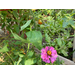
(51, 48)
(46, 48)
(54, 53)
(43, 56)
(46, 60)
(42, 50)
(53, 59)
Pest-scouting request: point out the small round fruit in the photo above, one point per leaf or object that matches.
(39, 21)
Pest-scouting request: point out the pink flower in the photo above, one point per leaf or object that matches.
(48, 54)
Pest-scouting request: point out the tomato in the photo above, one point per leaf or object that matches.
(39, 21)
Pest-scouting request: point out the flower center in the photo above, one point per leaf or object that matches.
(49, 52)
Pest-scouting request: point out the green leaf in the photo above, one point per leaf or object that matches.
(42, 26)
(21, 55)
(15, 14)
(18, 43)
(35, 37)
(73, 26)
(30, 54)
(3, 26)
(19, 38)
(65, 24)
(69, 44)
(9, 20)
(4, 49)
(57, 61)
(25, 25)
(47, 38)
(4, 13)
(67, 21)
(64, 19)
(29, 62)
(59, 42)
(16, 28)
(71, 22)
(64, 52)
(16, 52)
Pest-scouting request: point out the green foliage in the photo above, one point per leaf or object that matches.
(25, 25)
(18, 37)
(59, 42)
(15, 14)
(47, 38)
(4, 49)
(18, 62)
(30, 54)
(16, 28)
(35, 37)
(29, 62)
(55, 30)
(65, 54)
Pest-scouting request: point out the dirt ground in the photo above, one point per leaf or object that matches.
(1, 59)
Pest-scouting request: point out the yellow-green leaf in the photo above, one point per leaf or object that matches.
(19, 38)
(4, 49)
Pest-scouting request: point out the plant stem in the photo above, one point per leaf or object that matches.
(30, 28)
(10, 57)
(19, 61)
(28, 47)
